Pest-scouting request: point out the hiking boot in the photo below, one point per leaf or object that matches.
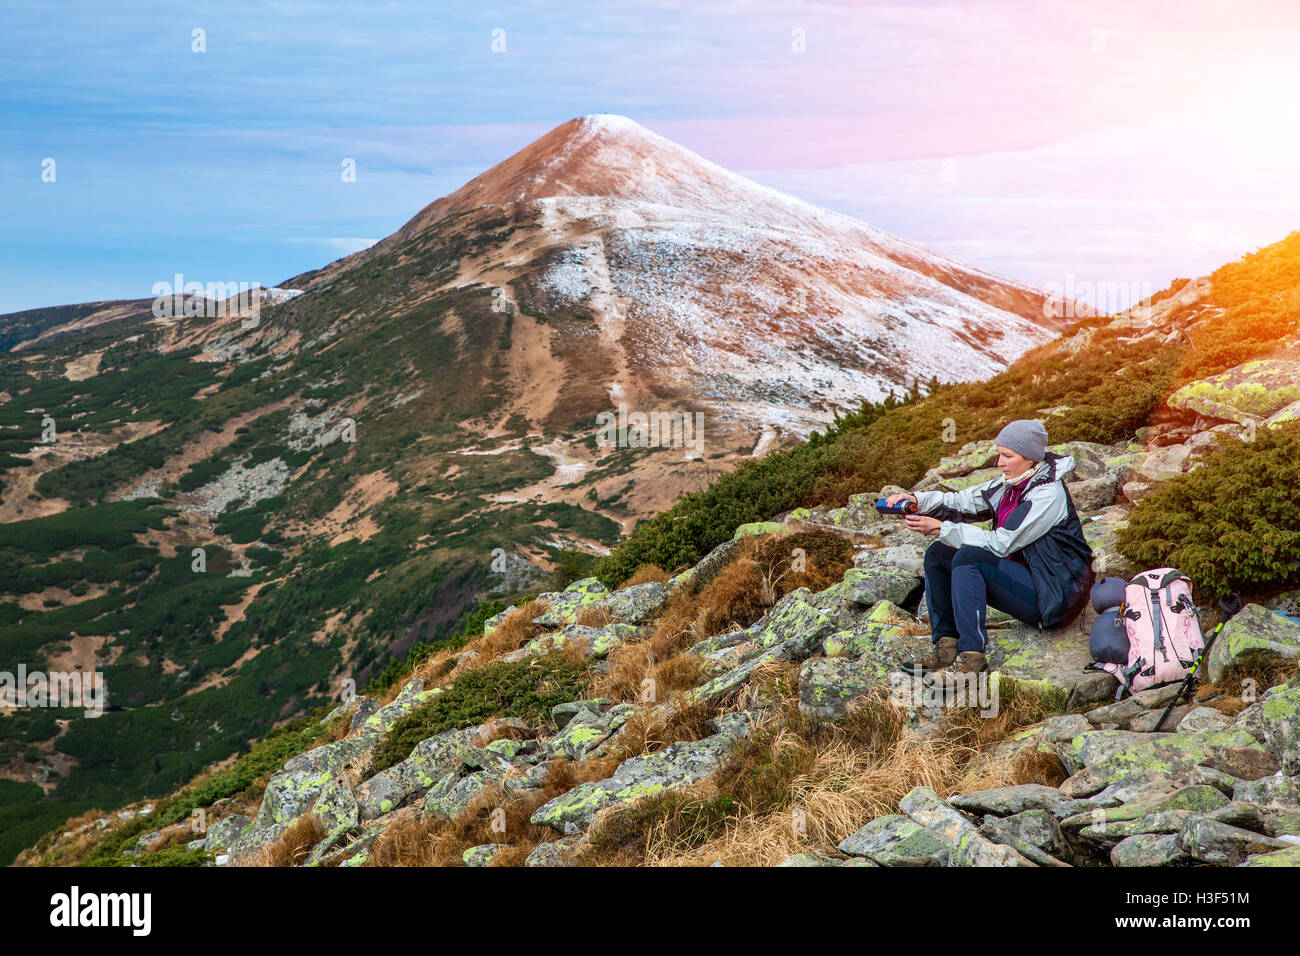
(967, 662)
(944, 653)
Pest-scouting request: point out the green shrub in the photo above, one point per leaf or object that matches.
(526, 689)
(1230, 524)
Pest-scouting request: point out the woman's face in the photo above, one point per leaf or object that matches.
(1012, 465)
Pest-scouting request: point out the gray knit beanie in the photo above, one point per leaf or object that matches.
(1026, 437)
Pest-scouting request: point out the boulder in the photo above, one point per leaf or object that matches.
(680, 764)
(1211, 842)
(794, 622)
(1278, 791)
(429, 761)
(638, 603)
(1117, 756)
(1161, 464)
(336, 807)
(593, 641)
(1148, 849)
(1009, 801)
(1252, 391)
(1253, 634)
(828, 685)
(586, 731)
(883, 630)
(1274, 720)
(563, 606)
(556, 853)
(895, 840)
(482, 855)
(563, 713)
(1093, 494)
(223, 833)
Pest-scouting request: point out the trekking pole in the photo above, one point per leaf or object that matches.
(1230, 606)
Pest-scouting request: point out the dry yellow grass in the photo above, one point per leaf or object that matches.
(646, 574)
(494, 815)
(294, 845)
(799, 786)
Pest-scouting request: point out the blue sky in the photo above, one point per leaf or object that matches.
(1118, 142)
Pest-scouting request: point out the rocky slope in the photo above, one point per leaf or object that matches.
(1219, 785)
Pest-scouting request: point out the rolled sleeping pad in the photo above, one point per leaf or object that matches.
(1108, 641)
(1108, 593)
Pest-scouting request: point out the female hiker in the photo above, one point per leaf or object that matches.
(1033, 563)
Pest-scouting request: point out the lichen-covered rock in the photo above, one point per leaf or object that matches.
(452, 794)
(253, 840)
(593, 641)
(1009, 801)
(1200, 719)
(1056, 656)
(1253, 634)
(587, 730)
(706, 569)
(881, 582)
(556, 853)
(710, 646)
(969, 846)
(972, 848)
(828, 685)
(806, 859)
(793, 619)
(1117, 755)
(563, 713)
(1034, 834)
(224, 832)
(482, 855)
(1286, 857)
(1100, 532)
(754, 528)
(1148, 849)
(510, 749)
(1116, 715)
(1162, 464)
(638, 603)
(289, 794)
(334, 756)
(680, 764)
(351, 702)
(1249, 392)
(1109, 832)
(895, 840)
(883, 630)
(563, 606)
(1274, 721)
(429, 761)
(336, 807)
(1278, 791)
(1213, 842)
(718, 687)
(931, 811)
(383, 719)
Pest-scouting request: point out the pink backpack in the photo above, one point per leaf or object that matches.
(1152, 636)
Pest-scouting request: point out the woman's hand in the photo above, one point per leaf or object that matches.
(900, 496)
(923, 523)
